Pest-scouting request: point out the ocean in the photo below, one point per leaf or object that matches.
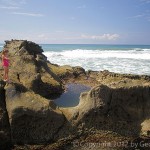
(130, 59)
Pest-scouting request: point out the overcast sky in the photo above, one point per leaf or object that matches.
(76, 21)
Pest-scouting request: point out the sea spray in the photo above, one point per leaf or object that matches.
(133, 59)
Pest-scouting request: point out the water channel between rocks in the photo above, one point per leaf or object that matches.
(70, 98)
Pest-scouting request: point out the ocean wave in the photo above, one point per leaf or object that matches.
(138, 49)
(135, 62)
(141, 49)
(145, 49)
(102, 54)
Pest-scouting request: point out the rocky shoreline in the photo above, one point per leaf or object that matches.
(114, 114)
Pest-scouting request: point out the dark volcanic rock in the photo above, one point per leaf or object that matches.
(5, 134)
(77, 71)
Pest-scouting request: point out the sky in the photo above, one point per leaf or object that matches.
(76, 21)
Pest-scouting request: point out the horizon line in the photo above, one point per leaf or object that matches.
(82, 43)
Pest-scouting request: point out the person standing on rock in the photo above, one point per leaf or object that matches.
(5, 64)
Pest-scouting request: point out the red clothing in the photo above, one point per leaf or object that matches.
(5, 62)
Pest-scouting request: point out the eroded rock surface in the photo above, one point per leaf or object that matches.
(29, 67)
(116, 109)
(117, 106)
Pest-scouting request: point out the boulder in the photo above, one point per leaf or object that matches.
(33, 119)
(145, 131)
(78, 71)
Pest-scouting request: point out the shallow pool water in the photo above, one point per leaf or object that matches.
(71, 97)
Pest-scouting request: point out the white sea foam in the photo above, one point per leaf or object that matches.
(79, 53)
(123, 61)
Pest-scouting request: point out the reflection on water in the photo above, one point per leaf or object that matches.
(71, 97)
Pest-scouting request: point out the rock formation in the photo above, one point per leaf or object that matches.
(33, 118)
(116, 103)
(30, 68)
(5, 133)
(114, 106)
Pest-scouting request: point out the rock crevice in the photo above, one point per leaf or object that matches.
(5, 130)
